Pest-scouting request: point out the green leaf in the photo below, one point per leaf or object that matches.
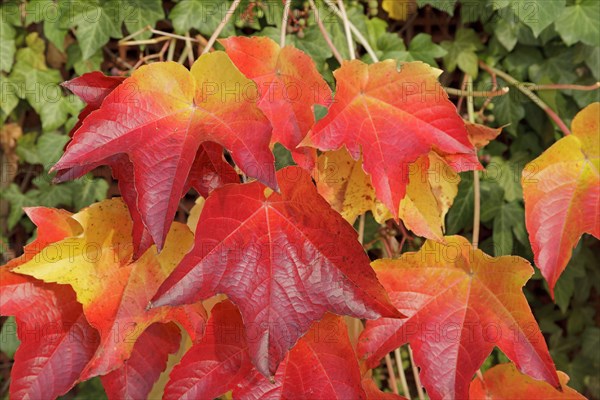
(7, 49)
(422, 48)
(9, 342)
(509, 216)
(508, 176)
(446, 6)
(17, 201)
(506, 32)
(536, 14)
(75, 60)
(461, 52)
(96, 21)
(9, 97)
(138, 14)
(87, 190)
(565, 286)
(580, 22)
(202, 15)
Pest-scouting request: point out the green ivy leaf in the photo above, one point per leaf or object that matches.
(461, 52)
(137, 14)
(96, 21)
(9, 342)
(580, 22)
(508, 218)
(17, 201)
(86, 191)
(202, 15)
(7, 49)
(536, 14)
(422, 48)
(446, 6)
(75, 60)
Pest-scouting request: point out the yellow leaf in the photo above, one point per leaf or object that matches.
(399, 9)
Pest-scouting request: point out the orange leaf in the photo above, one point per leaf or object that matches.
(561, 189)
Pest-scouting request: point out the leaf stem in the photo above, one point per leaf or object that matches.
(399, 363)
(221, 26)
(476, 93)
(391, 374)
(527, 92)
(361, 38)
(561, 86)
(284, 22)
(361, 228)
(334, 50)
(476, 186)
(416, 375)
(347, 29)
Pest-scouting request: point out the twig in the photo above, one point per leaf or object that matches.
(347, 29)
(416, 375)
(334, 50)
(361, 38)
(405, 390)
(476, 93)
(284, 22)
(190, 49)
(392, 375)
(476, 194)
(221, 26)
(561, 86)
(156, 32)
(541, 104)
(361, 228)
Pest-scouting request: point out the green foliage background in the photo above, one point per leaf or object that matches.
(44, 42)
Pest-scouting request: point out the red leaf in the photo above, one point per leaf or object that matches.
(215, 365)
(113, 290)
(285, 259)
(504, 382)
(159, 117)
(460, 303)
(92, 88)
(561, 189)
(56, 340)
(322, 365)
(135, 379)
(393, 116)
(289, 86)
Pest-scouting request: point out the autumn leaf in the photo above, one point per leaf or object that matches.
(217, 363)
(504, 382)
(429, 194)
(460, 303)
(322, 365)
(399, 9)
(56, 340)
(92, 88)
(135, 379)
(113, 290)
(283, 258)
(481, 135)
(394, 116)
(561, 189)
(289, 86)
(159, 117)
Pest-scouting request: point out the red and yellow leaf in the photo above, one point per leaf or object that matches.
(56, 340)
(113, 290)
(289, 86)
(284, 259)
(460, 303)
(394, 116)
(505, 382)
(429, 194)
(561, 189)
(159, 117)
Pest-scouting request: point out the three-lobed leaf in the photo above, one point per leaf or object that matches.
(284, 259)
(561, 189)
(392, 116)
(459, 303)
(159, 117)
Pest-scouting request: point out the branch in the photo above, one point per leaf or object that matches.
(508, 78)
(334, 49)
(405, 391)
(347, 29)
(476, 93)
(560, 86)
(476, 193)
(222, 24)
(284, 22)
(363, 41)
